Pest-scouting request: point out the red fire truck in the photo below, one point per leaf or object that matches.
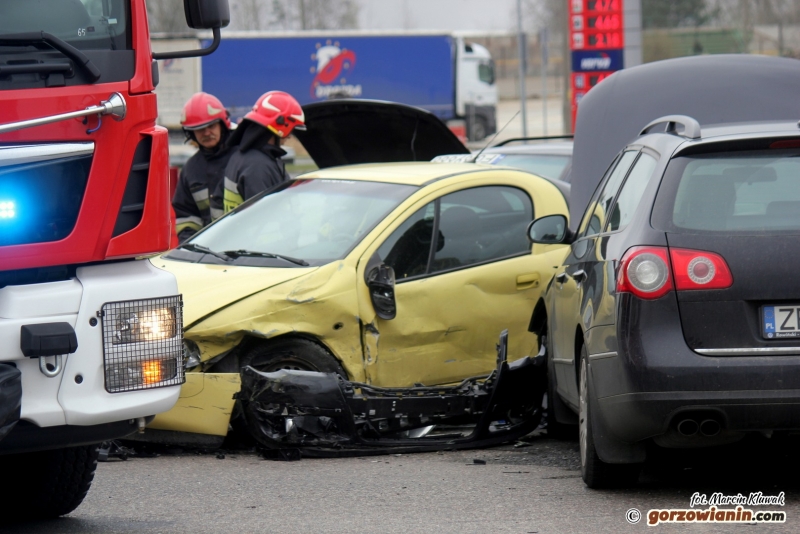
(91, 341)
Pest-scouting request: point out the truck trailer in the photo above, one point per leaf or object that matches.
(92, 338)
(440, 72)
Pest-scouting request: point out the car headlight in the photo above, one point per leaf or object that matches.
(191, 352)
(143, 343)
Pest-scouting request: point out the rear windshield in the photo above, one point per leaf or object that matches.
(85, 24)
(547, 166)
(731, 192)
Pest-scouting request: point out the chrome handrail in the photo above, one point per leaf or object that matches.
(114, 106)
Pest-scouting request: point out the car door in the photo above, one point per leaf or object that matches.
(571, 279)
(464, 272)
(598, 307)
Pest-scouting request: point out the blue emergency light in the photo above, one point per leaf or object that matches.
(8, 209)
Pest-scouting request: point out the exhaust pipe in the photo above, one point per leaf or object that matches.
(710, 428)
(688, 427)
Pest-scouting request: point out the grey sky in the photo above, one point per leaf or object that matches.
(437, 14)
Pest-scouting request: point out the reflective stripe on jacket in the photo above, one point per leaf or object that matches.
(194, 201)
(251, 172)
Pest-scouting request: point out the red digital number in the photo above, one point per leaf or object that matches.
(594, 79)
(604, 40)
(605, 22)
(603, 5)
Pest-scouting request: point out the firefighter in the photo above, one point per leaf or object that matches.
(256, 164)
(205, 122)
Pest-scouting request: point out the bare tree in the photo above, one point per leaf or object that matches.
(166, 16)
(321, 14)
(294, 14)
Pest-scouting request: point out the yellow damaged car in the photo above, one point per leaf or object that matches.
(358, 306)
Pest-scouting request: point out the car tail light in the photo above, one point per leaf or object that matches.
(696, 269)
(645, 272)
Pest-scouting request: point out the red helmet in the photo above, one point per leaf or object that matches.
(203, 110)
(279, 112)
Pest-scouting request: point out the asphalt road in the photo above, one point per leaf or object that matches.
(535, 488)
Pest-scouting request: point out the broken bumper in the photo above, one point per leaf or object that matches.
(324, 415)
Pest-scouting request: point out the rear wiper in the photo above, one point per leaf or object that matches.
(65, 48)
(205, 250)
(253, 254)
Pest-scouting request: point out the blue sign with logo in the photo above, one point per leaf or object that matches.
(597, 60)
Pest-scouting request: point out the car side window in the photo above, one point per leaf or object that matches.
(632, 191)
(408, 248)
(481, 224)
(595, 217)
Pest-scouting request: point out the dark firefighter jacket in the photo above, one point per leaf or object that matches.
(255, 166)
(195, 201)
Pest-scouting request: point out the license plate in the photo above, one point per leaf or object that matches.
(780, 321)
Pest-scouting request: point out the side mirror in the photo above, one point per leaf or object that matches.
(207, 14)
(202, 15)
(550, 230)
(380, 281)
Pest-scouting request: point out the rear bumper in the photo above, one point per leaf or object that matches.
(636, 416)
(654, 379)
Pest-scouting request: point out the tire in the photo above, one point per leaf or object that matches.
(47, 484)
(555, 429)
(291, 354)
(595, 472)
(478, 129)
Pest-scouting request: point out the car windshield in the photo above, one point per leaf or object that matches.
(317, 221)
(85, 24)
(544, 165)
(731, 192)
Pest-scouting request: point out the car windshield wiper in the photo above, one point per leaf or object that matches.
(205, 250)
(254, 254)
(65, 48)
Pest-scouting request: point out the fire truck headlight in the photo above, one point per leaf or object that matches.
(143, 343)
(137, 325)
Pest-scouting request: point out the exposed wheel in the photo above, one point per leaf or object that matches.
(595, 472)
(289, 354)
(47, 484)
(478, 129)
(555, 429)
(293, 354)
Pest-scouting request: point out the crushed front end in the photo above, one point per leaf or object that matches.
(322, 414)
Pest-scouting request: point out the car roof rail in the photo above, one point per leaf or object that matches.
(691, 128)
(520, 139)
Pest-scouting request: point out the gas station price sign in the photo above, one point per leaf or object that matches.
(597, 41)
(596, 24)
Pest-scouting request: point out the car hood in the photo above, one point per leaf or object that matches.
(348, 131)
(718, 89)
(207, 288)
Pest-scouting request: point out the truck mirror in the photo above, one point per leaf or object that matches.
(380, 282)
(207, 14)
(202, 15)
